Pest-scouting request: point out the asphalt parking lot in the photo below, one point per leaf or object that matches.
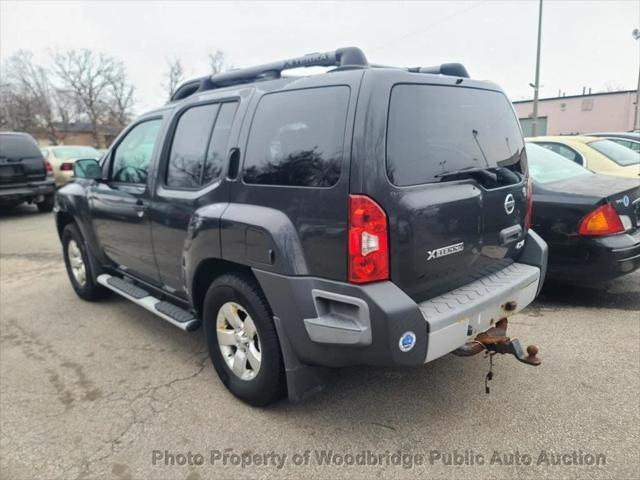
(93, 390)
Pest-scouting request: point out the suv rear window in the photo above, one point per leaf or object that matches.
(18, 146)
(297, 138)
(433, 130)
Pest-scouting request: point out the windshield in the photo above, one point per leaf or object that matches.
(435, 130)
(623, 156)
(546, 166)
(65, 153)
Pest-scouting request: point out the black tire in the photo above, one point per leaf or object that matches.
(90, 290)
(46, 205)
(269, 384)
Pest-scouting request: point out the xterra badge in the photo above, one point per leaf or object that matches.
(444, 251)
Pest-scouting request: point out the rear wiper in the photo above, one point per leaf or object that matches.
(466, 170)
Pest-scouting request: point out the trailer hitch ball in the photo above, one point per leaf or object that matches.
(495, 340)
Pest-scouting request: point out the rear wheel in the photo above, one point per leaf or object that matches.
(76, 259)
(242, 340)
(46, 205)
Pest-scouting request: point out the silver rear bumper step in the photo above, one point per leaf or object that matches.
(165, 310)
(459, 315)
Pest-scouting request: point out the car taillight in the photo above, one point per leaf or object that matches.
(368, 241)
(47, 164)
(603, 220)
(528, 218)
(66, 167)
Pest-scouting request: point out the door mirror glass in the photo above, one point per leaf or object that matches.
(87, 168)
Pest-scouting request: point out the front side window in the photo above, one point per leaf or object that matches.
(297, 138)
(133, 154)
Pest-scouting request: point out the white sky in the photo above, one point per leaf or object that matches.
(585, 43)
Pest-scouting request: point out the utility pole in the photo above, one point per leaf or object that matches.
(536, 85)
(636, 118)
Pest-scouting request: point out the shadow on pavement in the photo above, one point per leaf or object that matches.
(19, 210)
(607, 296)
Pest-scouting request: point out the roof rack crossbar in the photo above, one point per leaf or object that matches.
(449, 69)
(342, 57)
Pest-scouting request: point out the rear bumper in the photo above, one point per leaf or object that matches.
(596, 260)
(26, 192)
(333, 324)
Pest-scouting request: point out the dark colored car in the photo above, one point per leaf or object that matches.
(590, 221)
(626, 139)
(24, 174)
(365, 216)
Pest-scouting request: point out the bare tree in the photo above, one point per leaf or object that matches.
(17, 111)
(216, 61)
(95, 80)
(120, 97)
(174, 75)
(31, 99)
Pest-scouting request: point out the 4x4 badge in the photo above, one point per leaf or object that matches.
(509, 204)
(441, 252)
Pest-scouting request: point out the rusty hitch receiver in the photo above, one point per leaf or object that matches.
(494, 341)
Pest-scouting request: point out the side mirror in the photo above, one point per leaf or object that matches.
(88, 168)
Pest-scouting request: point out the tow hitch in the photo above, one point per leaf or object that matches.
(494, 341)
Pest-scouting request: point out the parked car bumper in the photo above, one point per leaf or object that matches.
(594, 260)
(32, 191)
(334, 324)
(63, 177)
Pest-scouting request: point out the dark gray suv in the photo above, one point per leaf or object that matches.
(24, 174)
(365, 216)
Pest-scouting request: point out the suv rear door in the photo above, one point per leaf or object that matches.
(21, 160)
(446, 229)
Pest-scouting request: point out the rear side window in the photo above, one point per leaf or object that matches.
(297, 138)
(199, 145)
(623, 156)
(436, 130)
(17, 147)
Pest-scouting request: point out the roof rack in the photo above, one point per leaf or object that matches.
(350, 57)
(344, 58)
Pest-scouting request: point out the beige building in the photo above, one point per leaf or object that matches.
(567, 115)
(78, 133)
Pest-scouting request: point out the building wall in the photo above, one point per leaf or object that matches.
(76, 138)
(583, 114)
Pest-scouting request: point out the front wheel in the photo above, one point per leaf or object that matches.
(242, 340)
(76, 259)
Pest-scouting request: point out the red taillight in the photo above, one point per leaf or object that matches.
(528, 218)
(368, 241)
(47, 164)
(603, 220)
(66, 167)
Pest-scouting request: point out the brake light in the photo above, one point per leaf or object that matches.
(48, 166)
(66, 167)
(603, 220)
(528, 218)
(368, 241)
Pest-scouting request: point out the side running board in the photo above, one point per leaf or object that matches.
(163, 309)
